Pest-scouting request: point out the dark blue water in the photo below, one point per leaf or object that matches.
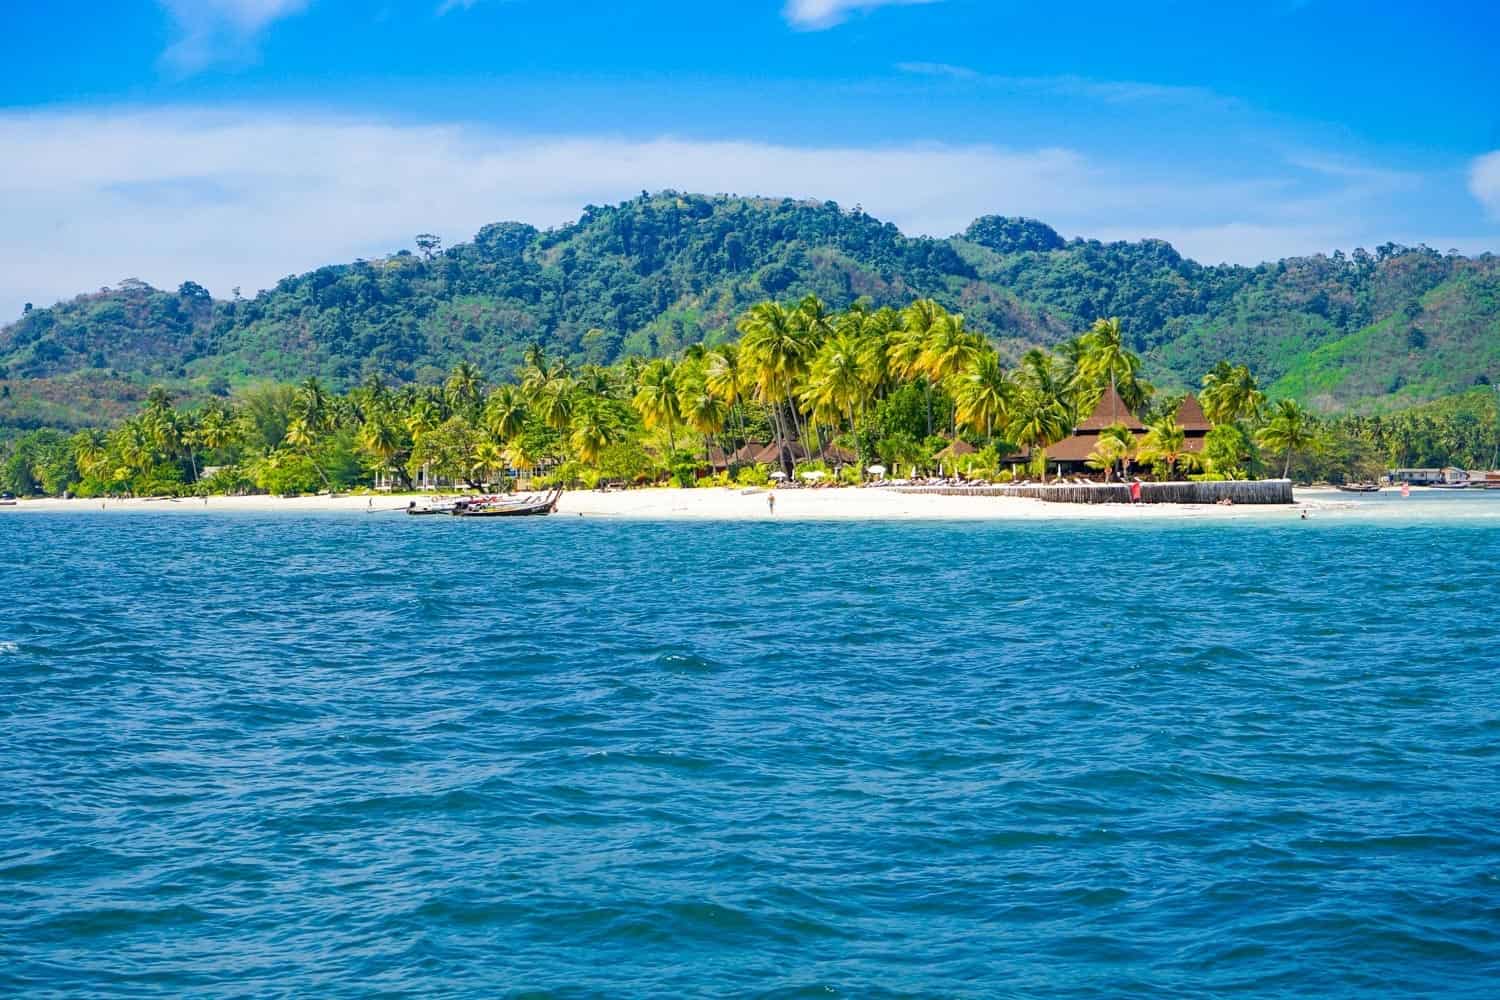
(352, 756)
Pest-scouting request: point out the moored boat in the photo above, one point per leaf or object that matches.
(524, 507)
(1358, 488)
(441, 507)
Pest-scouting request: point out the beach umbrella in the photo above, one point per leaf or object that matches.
(876, 470)
(778, 474)
(813, 474)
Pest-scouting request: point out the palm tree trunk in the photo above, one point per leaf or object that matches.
(780, 431)
(792, 405)
(859, 460)
(1286, 469)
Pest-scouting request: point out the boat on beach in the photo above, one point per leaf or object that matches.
(531, 506)
(1358, 488)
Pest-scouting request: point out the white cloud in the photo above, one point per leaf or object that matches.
(938, 69)
(1069, 86)
(213, 31)
(1484, 182)
(815, 15)
(244, 198)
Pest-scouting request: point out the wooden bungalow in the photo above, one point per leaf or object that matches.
(1070, 455)
(957, 448)
(837, 455)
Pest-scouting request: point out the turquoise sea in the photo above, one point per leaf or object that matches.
(349, 756)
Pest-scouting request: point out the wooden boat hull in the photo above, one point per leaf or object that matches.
(540, 508)
(1358, 489)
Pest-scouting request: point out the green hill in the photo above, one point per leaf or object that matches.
(648, 276)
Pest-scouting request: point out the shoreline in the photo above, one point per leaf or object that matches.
(736, 504)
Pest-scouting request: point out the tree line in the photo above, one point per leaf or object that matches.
(836, 391)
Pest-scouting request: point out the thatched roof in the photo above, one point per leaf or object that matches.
(957, 447)
(1072, 449)
(840, 456)
(745, 454)
(771, 455)
(1190, 416)
(1110, 410)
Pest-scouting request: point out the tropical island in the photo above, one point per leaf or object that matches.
(690, 340)
(804, 393)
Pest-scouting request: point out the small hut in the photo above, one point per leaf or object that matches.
(949, 456)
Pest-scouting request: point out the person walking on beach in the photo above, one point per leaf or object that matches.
(1135, 491)
(771, 502)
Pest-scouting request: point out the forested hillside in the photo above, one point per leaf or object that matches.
(1368, 331)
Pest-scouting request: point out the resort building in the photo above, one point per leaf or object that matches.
(1071, 454)
(1428, 477)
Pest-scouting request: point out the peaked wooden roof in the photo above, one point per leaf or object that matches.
(1190, 415)
(1111, 410)
(957, 447)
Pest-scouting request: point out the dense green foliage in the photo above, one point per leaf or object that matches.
(833, 391)
(648, 277)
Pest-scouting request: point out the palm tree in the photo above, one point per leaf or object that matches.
(1166, 442)
(1037, 419)
(90, 452)
(838, 386)
(489, 458)
(1106, 361)
(554, 402)
(505, 412)
(465, 388)
(874, 333)
(657, 402)
(1290, 430)
(777, 348)
(216, 427)
(593, 429)
(381, 439)
(1107, 453)
(424, 415)
(983, 392)
(908, 344)
(725, 376)
(313, 405)
(303, 438)
(702, 411)
(1231, 393)
(1128, 444)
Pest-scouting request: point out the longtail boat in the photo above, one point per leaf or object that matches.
(525, 507)
(440, 507)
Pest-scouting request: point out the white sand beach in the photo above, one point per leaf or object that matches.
(718, 504)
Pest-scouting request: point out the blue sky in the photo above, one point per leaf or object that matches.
(234, 141)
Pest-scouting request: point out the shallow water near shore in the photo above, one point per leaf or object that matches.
(336, 755)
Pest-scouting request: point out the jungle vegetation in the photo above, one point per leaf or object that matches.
(1369, 332)
(831, 390)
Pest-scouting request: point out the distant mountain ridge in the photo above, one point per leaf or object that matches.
(1366, 331)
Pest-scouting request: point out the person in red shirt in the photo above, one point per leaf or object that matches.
(1135, 491)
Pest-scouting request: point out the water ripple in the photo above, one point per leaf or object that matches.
(353, 756)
